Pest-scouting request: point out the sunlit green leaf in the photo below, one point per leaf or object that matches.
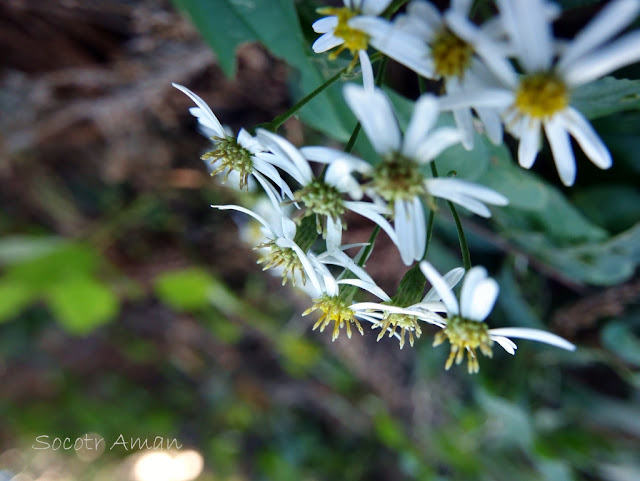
(14, 297)
(81, 304)
(186, 289)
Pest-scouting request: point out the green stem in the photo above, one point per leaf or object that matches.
(282, 118)
(464, 247)
(352, 140)
(429, 232)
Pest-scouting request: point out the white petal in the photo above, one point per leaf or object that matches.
(211, 120)
(367, 70)
(310, 272)
(326, 42)
(425, 114)
(464, 122)
(529, 29)
(437, 142)
(280, 145)
(533, 335)
(367, 286)
(334, 233)
(374, 7)
(587, 138)
(419, 229)
(472, 280)
(482, 301)
(561, 148)
(619, 53)
(404, 224)
(506, 343)
(610, 21)
(271, 192)
(248, 212)
(269, 171)
(492, 124)
(375, 113)
(372, 212)
(529, 143)
(325, 24)
(441, 287)
(442, 187)
(492, 97)
(451, 278)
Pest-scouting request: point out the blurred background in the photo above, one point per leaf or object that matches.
(131, 311)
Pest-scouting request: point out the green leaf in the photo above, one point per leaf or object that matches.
(613, 206)
(82, 304)
(14, 297)
(225, 24)
(19, 248)
(606, 96)
(619, 338)
(69, 260)
(185, 290)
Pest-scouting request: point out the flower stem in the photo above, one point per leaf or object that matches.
(464, 247)
(282, 118)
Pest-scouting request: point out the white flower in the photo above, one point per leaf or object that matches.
(244, 155)
(323, 197)
(540, 99)
(388, 316)
(398, 180)
(465, 327)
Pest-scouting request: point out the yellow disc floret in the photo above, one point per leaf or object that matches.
(465, 336)
(354, 39)
(323, 200)
(398, 178)
(283, 257)
(407, 323)
(232, 157)
(334, 309)
(541, 95)
(451, 55)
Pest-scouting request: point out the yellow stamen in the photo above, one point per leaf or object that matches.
(336, 310)
(354, 39)
(407, 323)
(451, 55)
(540, 95)
(465, 336)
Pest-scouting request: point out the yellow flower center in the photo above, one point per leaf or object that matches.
(405, 322)
(451, 55)
(398, 178)
(337, 310)
(465, 336)
(354, 39)
(323, 200)
(540, 95)
(232, 156)
(284, 257)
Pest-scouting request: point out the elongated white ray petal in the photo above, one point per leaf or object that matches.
(487, 49)
(529, 143)
(375, 113)
(269, 171)
(587, 138)
(561, 148)
(211, 120)
(419, 229)
(371, 212)
(325, 24)
(326, 42)
(621, 52)
(533, 335)
(441, 287)
(404, 222)
(344, 261)
(506, 343)
(441, 139)
(492, 124)
(280, 145)
(367, 286)
(469, 285)
(271, 192)
(464, 122)
(482, 300)
(310, 272)
(451, 278)
(374, 7)
(497, 98)
(334, 233)
(526, 22)
(248, 212)
(425, 114)
(610, 21)
(367, 70)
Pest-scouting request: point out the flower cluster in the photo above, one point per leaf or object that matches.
(507, 74)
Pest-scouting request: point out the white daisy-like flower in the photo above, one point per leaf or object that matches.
(391, 318)
(423, 41)
(244, 155)
(398, 178)
(324, 197)
(465, 327)
(540, 99)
